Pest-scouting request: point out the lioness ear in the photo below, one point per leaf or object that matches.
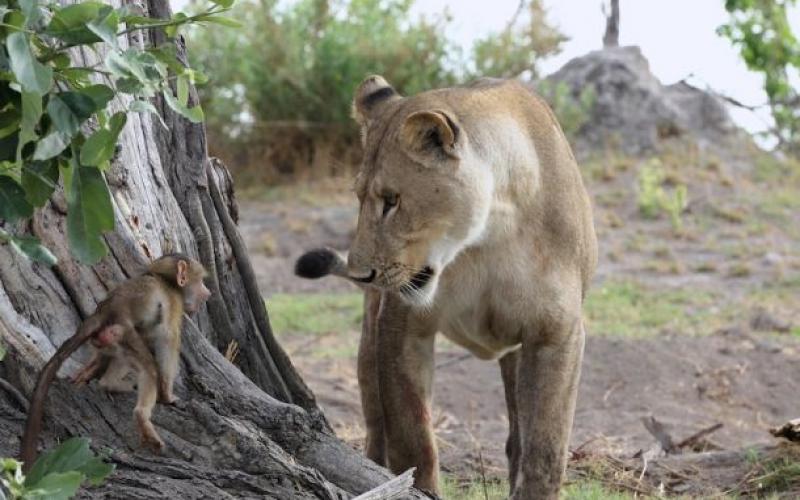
(372, 95)
(427, 133)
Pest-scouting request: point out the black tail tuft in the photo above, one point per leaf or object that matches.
(315, 263)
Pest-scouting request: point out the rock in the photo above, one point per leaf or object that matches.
(764, 321)
(773, 259)
(635, 111)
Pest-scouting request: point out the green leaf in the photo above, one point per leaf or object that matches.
(9, 122)
(56, 486)
(172, 30)
(31, 113)
(147, 107)
(77, 76)
(105, 25)
(96, 470)
(141, 66)
(8, 148)
(226, 4)
(132, 86)
(69, 23)
(68, 456)
(99, 93)
(69, 110)
(183, 90)
(30, 73)
(51, 145)
(100, 146)
(62, 61)
(13, 205)
(32, 248)
(39, 180)
(194, 114)
(166, 54)
(30, 8)
(195, 77)
(224, 21)
(89, 214)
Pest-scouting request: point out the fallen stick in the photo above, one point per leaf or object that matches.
(393, 489)
(694, 438)
(790, 430)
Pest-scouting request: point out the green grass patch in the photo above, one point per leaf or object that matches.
(591, 490)
(630, 309)
(777, 473)
(454, 489)
(315, 313)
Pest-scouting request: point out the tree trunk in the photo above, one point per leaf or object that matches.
(249, 429)
(611, 36)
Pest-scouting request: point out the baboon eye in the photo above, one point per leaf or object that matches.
(390, 200)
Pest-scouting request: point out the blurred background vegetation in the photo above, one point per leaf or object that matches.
(278, 100)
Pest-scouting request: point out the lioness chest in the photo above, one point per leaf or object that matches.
(485, 303)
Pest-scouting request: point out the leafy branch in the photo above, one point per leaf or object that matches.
(56, 124)
(57, 474)
(760, 29)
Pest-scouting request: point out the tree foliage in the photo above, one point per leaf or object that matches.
(761, 31)
(515, 51)
(60, 122)
(301, 61)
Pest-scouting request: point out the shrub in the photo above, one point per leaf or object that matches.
(516, 50)
(300, 62)
(654, 199)
(572, 112)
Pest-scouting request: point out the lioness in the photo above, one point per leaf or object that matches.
(473, 222)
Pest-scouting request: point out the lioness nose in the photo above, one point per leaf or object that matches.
(365, 279)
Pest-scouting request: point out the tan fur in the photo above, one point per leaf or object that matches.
(137, 330)
(491, 201)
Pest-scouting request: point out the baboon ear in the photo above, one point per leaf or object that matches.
(372, 95)
(429, 134)
(181, 277)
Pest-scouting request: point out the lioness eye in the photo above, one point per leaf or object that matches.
(389, 202)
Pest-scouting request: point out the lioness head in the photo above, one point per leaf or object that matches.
(424, 193)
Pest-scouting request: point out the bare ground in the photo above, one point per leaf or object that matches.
(738, 365)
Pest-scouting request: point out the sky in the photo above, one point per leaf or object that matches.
(678, 37)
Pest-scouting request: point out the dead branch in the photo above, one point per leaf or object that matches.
(697, 436)
(392, 489)
(790, 430)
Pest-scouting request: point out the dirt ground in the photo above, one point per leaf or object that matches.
(728, 351)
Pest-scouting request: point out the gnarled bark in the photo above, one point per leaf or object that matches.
(250, 430)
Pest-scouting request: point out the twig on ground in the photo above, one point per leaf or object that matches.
(695, 438)
(616, 385)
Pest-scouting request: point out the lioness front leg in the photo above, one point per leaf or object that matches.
(375, 445)
(547, 386)
(405, 374)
